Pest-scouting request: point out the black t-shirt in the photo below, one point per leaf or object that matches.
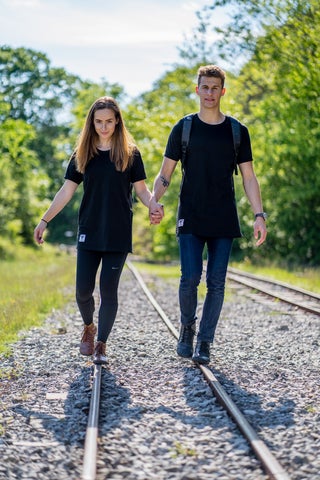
(207, 205)
(105, 214)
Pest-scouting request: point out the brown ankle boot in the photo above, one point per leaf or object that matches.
(87, 340)
(99, 355)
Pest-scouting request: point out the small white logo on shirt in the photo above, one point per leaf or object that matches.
(82, 238)
(180, 222)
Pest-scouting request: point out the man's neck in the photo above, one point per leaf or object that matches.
(212, 117)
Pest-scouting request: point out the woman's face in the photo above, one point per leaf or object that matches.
(105, 122)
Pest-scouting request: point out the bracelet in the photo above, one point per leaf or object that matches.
(45, 221)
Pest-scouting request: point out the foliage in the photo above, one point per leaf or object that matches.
(18, 169)
(34, 91)
(275, 92)
(32, 97)
(289, 147)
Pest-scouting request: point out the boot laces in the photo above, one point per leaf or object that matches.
(187, 334)
(88, 334)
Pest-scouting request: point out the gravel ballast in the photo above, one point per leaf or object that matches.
(158, 417)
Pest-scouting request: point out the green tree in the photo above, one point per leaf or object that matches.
(275, 92)
(291, 150)
(35, 92)
(19, 180)
(40, 95)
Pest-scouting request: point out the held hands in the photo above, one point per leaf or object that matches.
(156, 212)
(260, 231)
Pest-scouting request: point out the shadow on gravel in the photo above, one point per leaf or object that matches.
(199, 397)
(273, 414)
(64, 414)
(115, 404)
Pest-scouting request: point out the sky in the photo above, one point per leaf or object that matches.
(130, 42)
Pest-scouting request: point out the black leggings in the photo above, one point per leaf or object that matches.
(87, 266)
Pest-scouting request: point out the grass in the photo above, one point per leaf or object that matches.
(181, 450)
(31, 286)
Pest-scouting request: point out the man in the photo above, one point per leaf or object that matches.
(207, 213)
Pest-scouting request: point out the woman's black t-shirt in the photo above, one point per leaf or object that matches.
(207, 205)
(105, 214)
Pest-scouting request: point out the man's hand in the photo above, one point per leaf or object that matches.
(260, 231)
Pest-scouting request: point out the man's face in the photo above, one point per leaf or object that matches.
(210, 91)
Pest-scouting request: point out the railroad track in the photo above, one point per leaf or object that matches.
(303, 299)
(268, 461)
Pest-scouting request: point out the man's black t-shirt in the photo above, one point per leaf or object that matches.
(207, 205)
(105, 214)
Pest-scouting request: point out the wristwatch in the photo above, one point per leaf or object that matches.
(264, 215)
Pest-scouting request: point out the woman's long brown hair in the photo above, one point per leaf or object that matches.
(122, 145)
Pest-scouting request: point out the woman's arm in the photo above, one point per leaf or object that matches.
(144, 194)
(62, 197)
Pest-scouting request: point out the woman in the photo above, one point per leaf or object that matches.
(109, 164)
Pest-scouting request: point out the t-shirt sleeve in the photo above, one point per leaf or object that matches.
(137, 172)
(245, 151)
(72, 173)
(173, 148)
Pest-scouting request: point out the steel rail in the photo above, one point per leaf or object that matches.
(253, 276)
(267, 459)
(270, 464)
(249, 282)
(90, 445)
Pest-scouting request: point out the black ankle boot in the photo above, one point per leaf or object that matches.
(185, 342)
(202, 353)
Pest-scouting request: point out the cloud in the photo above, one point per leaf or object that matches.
(126, 42)
(75, 23)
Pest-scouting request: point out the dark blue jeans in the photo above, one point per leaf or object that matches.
(191, 258)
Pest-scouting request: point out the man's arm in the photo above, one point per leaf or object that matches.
(162, 180)
(161, 183)
(252, 189)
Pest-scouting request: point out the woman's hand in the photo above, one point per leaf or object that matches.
(156, 212)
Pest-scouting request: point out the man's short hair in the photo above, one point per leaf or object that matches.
(211, 71)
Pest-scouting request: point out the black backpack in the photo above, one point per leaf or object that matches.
(186, 129)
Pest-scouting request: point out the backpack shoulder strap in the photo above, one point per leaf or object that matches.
(236, 134)
(186, 129)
